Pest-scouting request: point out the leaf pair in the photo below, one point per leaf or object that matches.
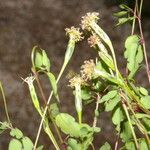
(123, 15)
(41, 61)
(20, 142)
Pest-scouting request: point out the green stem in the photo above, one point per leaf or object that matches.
(96, 109)
(131, 127)
(143, 41)
(138, 122)
(5, 104)
(93, 148)
(57, 131)
(41, 123)
(141, 5)
(44, 99)
(80, 117)
(50, 134)
(133, 23)
(69, 52)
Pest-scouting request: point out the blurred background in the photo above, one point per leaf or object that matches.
(26, 23)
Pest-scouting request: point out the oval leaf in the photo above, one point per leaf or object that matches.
(53, 84)
(45, 61)
(16, 133)
(38, 60)
(15, 145)
(68, 125)
(27, 144)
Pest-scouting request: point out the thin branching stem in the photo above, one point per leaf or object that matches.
(39, 85)
(93, 148)
(5, 104)
(46, 108)
(134, 20)
(44, 99)
(117, 141)
(138, 122)
(42, 120)
(143, 39)
(96, 109)
(130, 124)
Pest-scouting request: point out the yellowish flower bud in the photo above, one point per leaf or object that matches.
(87, 69)
(76, 80)
(93, 40)
(74, 34)
(89, 19)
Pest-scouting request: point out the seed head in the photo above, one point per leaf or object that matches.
(89, 19)
(87, 69)
(71, 74)
(74, 33)
(93, 40)
(76, 80)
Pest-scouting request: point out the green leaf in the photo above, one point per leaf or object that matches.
(139, 55)
(126, 133)
(110, 104)
(143, 91)
(15, 145)
(38, 60)
(107, 59)
(106, 146)
(143, 144)
(130, 146)
(146, 124)
(45, 61)
(40, 147)
(118, 115)
(34, 98)
(123, 6)
(27, 143)
(3, 126)
(141, 115)
(122, 21)
(68, 125)
(54, 110)
(145, 101)
(53, 84)
(85, 94)
(133, 54)
(16, 133)
(73, 144)
(120, 14)
(97, 129)
(86, 130)
(108, 96)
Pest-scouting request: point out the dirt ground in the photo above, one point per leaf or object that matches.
(24, 24)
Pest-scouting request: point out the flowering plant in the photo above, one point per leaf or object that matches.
(99, 82)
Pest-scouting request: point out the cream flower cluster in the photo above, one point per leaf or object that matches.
(74, 33)
(88, 20)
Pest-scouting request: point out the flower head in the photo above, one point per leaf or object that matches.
(76, 80)
(74, 33)
(88, 19)
(93, 40)
(87, 69)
